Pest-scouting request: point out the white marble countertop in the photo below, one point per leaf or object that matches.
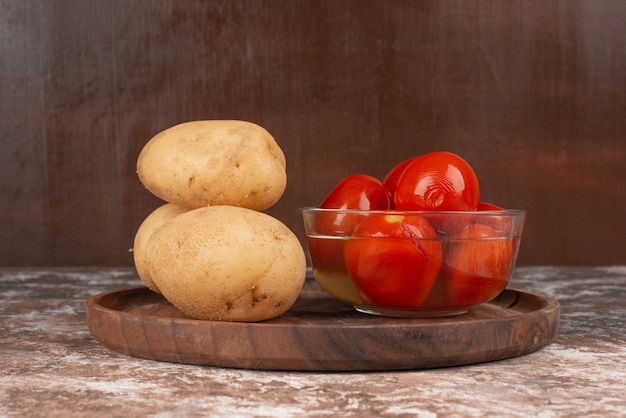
(52, 366)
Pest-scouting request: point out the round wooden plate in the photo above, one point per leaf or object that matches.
(321, 334)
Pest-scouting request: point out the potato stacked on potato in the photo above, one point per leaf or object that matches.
(210, 250)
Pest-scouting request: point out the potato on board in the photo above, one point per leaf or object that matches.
(214, 162)
(227, 263)
(154, 220)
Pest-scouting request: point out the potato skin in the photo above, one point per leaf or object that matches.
(214, 162)
(153, 221)
(227, 263)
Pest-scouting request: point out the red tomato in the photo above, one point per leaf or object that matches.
(326, 253)
(501, 224)
(437, 181)
(391, 179)
(358, 191)
(393, 260)
(476, 271)
(488, 206)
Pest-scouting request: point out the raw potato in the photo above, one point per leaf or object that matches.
(227, 263)
(214, 162)
(154, 220)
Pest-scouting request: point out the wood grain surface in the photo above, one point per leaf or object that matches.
(532, 94)
(320, 334)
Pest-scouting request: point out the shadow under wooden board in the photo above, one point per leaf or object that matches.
(321, 334)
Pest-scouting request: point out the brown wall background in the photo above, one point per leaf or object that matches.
(531, 93)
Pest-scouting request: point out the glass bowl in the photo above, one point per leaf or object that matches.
(413, 263)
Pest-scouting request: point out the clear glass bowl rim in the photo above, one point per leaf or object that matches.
(503, 212)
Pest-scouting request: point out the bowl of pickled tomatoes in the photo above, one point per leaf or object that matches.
(419, 243)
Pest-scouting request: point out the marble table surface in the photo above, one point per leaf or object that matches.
(52, 366)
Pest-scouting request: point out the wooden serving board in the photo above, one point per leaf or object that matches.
(321, 334)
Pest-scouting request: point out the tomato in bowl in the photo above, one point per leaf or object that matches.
(421, 242)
